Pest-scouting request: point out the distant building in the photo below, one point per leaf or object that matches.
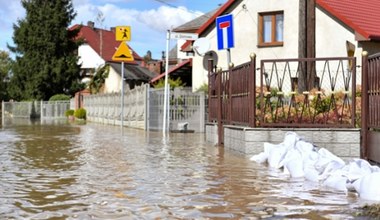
(97, 50)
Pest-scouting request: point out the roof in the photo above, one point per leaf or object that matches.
(91, 36)
(360, 15)
(193, 25)
(133, 72)
(182, 66)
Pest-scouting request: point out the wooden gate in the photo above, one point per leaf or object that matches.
(371, 107)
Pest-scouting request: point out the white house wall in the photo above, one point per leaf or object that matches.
(331, 38)
(246, 37)
(88, 57)
(113, 82)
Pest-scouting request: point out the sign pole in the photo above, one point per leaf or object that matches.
(166, 103)
(122, 95)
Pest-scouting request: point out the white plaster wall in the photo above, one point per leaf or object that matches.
(88, 57)
(113, 82)
(331, 36)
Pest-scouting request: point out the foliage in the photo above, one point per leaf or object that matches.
(46, 63)
(60, 97)
(315, 107)
(172, 83)
(69, 112)
(5, 67)
(99, 78)
(80, 113)
(203, 88)
(372, 211)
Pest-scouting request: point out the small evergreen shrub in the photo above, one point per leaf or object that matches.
(80, 113)
(60, 97)
(69, 112)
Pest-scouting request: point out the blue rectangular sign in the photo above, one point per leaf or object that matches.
(225, 31)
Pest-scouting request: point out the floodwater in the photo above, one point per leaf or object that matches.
(68, 171)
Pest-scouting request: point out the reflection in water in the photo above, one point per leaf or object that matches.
(103, 172)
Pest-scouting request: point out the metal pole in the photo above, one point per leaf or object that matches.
(166, 106)
(228, 57)
(122, 95)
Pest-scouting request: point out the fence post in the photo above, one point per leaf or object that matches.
(229, 79)
(210, 72)
(252, 91)
(146, 105)
(202, 111)
(219, 98)
(365, 106)
(2, 113)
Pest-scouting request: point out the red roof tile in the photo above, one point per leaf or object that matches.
(92, 37)
(360, 15)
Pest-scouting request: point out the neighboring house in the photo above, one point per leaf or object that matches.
(180, 56)
(98, 48)
(270, 30)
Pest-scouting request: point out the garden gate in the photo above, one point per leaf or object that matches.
(371, 107)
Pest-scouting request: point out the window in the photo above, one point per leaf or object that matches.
(271, 29)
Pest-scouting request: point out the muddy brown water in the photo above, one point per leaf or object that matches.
(92, 171)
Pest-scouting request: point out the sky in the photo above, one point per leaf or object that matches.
(149, 19)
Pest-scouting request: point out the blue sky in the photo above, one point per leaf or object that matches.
(149, 19)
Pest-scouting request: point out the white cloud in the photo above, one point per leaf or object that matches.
(165, 18)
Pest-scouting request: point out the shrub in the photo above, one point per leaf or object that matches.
(60, 97)
(69, 112)
(80, 113)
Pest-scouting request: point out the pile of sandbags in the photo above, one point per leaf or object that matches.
(301, 159)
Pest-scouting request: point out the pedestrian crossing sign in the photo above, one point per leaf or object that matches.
(123, 33)
(123, 53)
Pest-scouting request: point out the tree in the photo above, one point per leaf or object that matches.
(46, 63)
(5, 67)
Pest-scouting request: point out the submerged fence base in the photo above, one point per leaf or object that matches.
(344, 143)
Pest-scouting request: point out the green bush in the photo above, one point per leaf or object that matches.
(80, 113)
(69, 112)
(60, 97)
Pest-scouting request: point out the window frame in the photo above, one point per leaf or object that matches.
(273, 42)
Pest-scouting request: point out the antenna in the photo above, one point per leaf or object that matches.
(201, 46)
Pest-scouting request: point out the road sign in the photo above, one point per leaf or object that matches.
(123, 33)
(123, 53)
(183, 36)
(225, 31)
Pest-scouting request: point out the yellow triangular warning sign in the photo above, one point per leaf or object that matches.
(123, 53)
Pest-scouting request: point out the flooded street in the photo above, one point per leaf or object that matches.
(94, 171)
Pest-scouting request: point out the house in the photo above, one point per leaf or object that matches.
(270, 29)
(97, 50)
(180, 56)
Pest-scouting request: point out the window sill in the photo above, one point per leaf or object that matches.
(274, 44)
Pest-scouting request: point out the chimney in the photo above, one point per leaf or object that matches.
(91, 24)
(113, 29)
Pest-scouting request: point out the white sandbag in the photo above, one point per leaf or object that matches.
(294, 163)
(290, 139)
(325, 157)
(259, 158)
(336, 181)
(331, 168)
(358, 168)
(370, 187)
(275, 155)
